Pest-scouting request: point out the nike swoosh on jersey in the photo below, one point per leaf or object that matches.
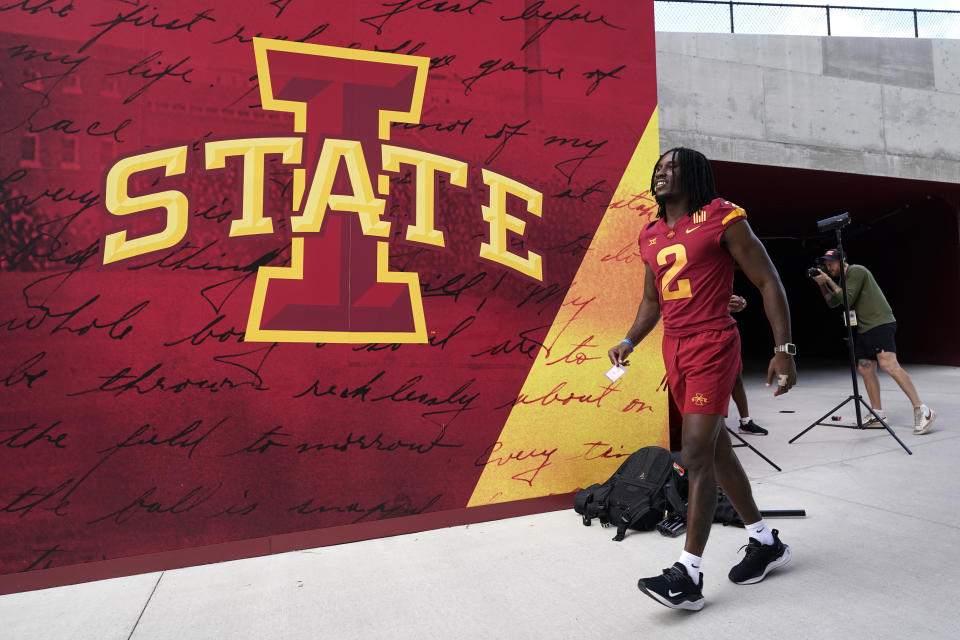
(692, 229)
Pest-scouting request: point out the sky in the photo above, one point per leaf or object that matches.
(676, 16)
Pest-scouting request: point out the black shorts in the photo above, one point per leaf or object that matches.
(868, 344)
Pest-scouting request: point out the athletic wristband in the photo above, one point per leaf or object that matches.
(627, 340)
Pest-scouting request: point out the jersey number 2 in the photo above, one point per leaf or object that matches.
(682, 289)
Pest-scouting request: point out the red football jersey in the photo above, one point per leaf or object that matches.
(694, 273)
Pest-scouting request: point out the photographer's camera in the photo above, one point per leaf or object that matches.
(820, 265)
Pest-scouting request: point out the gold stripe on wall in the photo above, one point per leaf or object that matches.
(570, 426)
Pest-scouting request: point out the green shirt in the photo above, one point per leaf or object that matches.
(865, 299)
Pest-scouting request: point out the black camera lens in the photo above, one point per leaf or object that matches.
(813, 271)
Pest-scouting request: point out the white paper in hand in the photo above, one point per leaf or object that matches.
(615, 372)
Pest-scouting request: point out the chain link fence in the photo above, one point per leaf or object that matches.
(718, 16)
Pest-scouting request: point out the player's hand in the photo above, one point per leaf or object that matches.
(737, 304)
(783, 372)
(618, 354)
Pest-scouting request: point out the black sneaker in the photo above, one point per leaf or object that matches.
(752, 428)
(760, 559)
(674, 589)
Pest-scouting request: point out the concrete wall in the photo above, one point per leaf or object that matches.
(873, 106)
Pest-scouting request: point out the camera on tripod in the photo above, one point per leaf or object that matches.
(834, 223)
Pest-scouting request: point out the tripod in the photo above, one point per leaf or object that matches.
(744, 443)
(837, 223)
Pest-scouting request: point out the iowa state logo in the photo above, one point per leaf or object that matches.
(699, 399)
(338, 286)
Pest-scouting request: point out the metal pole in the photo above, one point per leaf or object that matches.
(849, 327)
(916, 31)
(828, 20)
(731, 16)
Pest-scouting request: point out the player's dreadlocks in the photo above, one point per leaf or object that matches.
(696, 179)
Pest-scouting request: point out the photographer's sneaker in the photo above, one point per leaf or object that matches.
(674, 589)
(923, 417)
(760, 559)
(752, 428)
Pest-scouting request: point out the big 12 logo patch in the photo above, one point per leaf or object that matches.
(338, 286)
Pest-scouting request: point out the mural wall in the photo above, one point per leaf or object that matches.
(271, 267)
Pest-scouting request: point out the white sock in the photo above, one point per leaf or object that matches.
(745, 420)
(761, 532)
(692, 563)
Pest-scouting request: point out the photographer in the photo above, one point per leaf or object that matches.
(876, 326)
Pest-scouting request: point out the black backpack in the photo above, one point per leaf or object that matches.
(637, 496)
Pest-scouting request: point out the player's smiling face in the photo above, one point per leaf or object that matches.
(666, 177)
